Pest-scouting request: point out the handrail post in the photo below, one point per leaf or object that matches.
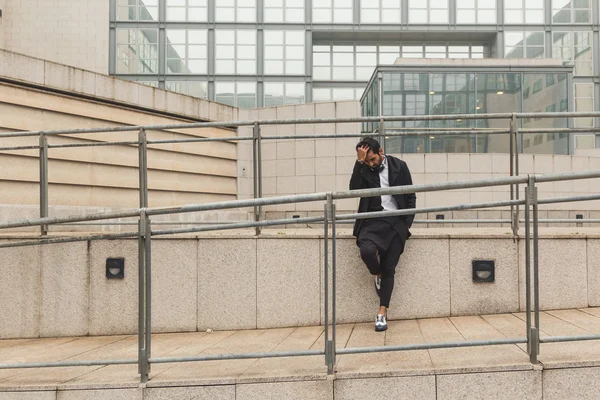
(331, 206)
(43, 182)
(528, 270)
(142, 358)
(514, 171)
(144, 263)
(381, 130)
(326, 279)
(536, 281)
(329, 350)
(143, 167)
(257, 171)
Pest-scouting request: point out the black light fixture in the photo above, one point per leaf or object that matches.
(483, 271)
(579, 216)
(440, 216)
(115, 268)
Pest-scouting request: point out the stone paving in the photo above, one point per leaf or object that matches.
(389, 364)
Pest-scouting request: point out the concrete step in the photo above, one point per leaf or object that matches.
(500, 372)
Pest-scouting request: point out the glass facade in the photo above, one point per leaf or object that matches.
(460, 92)
(281, 51)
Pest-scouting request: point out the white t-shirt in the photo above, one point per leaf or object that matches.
(387, 201)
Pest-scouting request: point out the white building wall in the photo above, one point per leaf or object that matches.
(71, 32)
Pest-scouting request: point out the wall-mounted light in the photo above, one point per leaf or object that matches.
(431, 92)
(483, 271)
(115, 268)
(440, 216)
(431, 137)
(499, 92)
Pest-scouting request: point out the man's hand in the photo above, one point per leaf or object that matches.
(361, 153)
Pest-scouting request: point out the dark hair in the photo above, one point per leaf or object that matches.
(372, 143)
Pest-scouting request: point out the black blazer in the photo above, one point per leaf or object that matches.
(398, 174)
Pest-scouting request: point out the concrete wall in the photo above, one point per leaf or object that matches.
(72, 32)
(507, 384)
(92, 179)
(305, 166)
(62, 290)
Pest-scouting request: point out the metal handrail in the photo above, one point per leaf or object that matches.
(145, 232)
(299, 121)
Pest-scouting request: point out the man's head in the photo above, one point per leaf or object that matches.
(374, 156)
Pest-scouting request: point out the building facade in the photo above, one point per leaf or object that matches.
(455, 87)
(255, 53)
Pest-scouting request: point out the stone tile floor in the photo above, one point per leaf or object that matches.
(416, 362)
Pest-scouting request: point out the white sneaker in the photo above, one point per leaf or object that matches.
(380, 323)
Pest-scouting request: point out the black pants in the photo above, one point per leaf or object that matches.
(384, 265)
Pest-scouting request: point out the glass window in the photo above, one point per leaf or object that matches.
(524, 44)
(380, 11)
(478, 51)
(574, 46)
(428, 11)
(475, 11)
(435, 52)
(137, 10)
(388, 54)
(337, 94)
(235, 10)
(191, 88)
(186, 51)
(366, 61)
(524, 11)
(332, 11)
(322, 62)
(186, 10)
(571, 11)
(458, 52)
(235, 52)
(584, 101)
(137, 51)
(412, 52)
(284, 52)
(283, 93)
(290, 11)
(236, 94)
(343, 63)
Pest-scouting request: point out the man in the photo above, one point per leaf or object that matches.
(381, 240)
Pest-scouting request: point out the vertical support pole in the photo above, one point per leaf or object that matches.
(143, 167)
(514, 170)
(536, 281)
(257, 144)
(513, 224)
(43, 181)
(148, 290)
(143, 366)
(326, 278)
(381, 130)
(527, 271)
(516, 151)
(255, 171)
(333, 283)
(144, 244)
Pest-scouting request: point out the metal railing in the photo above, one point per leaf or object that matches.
(515, 134)
(330, 351)
(330, 218)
